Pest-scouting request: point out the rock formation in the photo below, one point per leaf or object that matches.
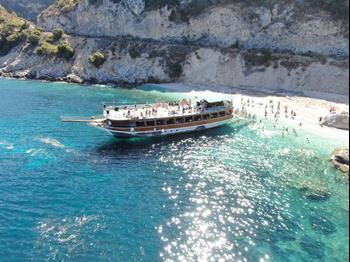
(275, 45)
(340, 121)
(340, 159)
(28, 9)
(280, 25)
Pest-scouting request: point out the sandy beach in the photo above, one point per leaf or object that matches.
(265, 105)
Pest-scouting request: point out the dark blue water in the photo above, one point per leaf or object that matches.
(237, 193)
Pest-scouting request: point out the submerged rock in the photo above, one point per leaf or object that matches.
(340, 159)
(322, 225)
(314, 248)
(340, 121)
(313, 191)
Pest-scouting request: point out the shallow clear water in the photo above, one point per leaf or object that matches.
(237, 193)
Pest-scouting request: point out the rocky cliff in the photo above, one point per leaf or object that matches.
(215, 43)
(130, 61)
(28, 9)
(281, 25)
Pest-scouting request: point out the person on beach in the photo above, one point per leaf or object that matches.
(295, 132)
(320, 120)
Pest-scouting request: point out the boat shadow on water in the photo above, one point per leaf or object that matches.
(124, 145)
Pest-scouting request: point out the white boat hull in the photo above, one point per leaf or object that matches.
(163, 132)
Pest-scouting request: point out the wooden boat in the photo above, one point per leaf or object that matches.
(161, 119)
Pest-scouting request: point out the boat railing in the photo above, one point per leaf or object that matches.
(129, 106)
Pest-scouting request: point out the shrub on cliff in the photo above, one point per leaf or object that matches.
(7, 43)
(64, 50)
(258, 57)
(57, 34)
(175, 70)
(47, 49)
(134, 53)
(97, 59)
(11, 27)
(65, 3)
(266, 54)
(33, 35)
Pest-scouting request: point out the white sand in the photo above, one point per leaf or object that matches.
(308, 110)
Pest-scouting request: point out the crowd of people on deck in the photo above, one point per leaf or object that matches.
(169, 108)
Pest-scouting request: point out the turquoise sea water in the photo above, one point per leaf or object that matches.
(237, 193)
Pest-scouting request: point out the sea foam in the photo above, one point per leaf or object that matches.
(51, 141)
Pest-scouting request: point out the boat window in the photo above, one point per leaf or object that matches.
(161, 122)
(140, 123)
(188, 119)
(222, 113)
(206, 117)
(150, 123)
(197, 118)
(214, 115)
(180, 120)
(171, 121)
(121, 123)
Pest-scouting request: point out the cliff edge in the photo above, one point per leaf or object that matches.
(227, 43)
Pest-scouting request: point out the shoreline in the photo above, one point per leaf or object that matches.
(186, 87)
(308, 109)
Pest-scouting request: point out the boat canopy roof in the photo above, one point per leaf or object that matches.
(161, 110)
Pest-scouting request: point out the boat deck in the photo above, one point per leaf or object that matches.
(155, 112)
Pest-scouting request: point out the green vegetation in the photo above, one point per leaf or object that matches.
(57, 34)
(15, 31)
(322, 58)
(65, 3)
(65, 51)
(33, 35)
(266, 54)
(47, 49)
(11, 28)
(97, 59)
(62, 50)
(258, 57)
(175, 70)
(134, 52)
